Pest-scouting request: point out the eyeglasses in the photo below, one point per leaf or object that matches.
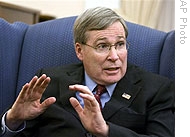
(105, 47)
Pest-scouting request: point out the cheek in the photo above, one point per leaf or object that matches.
(124, 68)
(93, 65)
(93, 69)
(123, 59)
(91, 61)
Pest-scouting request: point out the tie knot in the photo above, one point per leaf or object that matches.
(100, 89)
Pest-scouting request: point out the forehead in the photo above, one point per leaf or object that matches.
(114, 31)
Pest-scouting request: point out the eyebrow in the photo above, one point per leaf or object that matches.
(104, 38)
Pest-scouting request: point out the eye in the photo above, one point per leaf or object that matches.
(103, 46)
(120, 44)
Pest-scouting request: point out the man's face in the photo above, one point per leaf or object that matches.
(104, 68)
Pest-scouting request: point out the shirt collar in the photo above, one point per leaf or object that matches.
(91, 85)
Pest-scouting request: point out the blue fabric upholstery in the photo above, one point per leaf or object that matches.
(46, 44)
(167, 61)
(50, 44)
(146, 46)
(11, 39)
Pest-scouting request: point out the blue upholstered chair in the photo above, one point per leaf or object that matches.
(26, 48)
(11, 39)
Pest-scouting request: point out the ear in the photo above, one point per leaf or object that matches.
(79, 51)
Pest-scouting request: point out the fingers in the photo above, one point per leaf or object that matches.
(43, 81)
(38, 86)
(35, 87)
(23, 91)
(33, 82)
(86, 94)
(27, 86)
(41, 84)
(81, 89)
(76, 105)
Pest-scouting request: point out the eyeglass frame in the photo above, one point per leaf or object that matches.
(127, 44)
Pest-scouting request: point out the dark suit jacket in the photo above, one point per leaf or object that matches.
(149, 111)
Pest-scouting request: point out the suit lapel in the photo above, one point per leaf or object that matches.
(71, 75)
(124, 93)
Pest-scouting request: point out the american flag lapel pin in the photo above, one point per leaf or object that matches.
(127, 96)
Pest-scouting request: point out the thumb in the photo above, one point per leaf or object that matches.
(46, 103)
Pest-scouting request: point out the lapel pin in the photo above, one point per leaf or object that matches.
(127, 96)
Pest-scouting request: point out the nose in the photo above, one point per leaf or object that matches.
(113, 54)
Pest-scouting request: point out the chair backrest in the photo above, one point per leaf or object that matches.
(167, 59)
(146, 46)
(46, 44)
(11, 39)
(50, 44)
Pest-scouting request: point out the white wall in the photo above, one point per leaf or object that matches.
(57, 8)
(114, 4)
(64, 8)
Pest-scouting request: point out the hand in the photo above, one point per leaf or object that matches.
(91, 116)
(27, 105)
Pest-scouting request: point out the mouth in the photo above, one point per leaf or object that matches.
(112, 69)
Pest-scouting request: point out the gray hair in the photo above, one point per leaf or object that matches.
(98, 18)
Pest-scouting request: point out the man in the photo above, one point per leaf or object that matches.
(135, 103)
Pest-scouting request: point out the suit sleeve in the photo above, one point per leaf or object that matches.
(6, 132)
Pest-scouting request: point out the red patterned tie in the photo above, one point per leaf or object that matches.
(100, 89)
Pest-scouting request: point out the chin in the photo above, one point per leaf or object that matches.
(113, 80)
